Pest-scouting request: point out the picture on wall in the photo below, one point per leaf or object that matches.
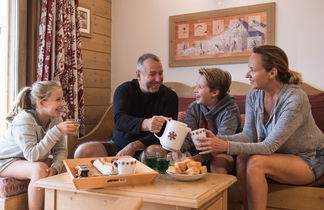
(220, 36)
(84, 15)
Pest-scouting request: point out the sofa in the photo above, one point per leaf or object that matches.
(280, 196)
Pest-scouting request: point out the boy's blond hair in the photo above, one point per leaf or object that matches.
(217, 79)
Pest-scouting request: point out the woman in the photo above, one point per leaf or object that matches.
(280, 139)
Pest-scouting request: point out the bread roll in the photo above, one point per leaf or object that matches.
(203, 169)
(192, 171)
(193, 164)
(174, 170)
(181, 165)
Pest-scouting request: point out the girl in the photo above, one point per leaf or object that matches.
(35, 132)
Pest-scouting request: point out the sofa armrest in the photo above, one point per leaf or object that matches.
(103, 130)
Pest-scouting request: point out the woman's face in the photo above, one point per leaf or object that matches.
(257, 75)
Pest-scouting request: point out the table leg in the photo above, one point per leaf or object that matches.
(50, 199)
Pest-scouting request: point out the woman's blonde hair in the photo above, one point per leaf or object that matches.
(274, 57)
(217, 79)
(26, 98)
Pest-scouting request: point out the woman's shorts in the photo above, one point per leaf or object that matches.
(315, 162)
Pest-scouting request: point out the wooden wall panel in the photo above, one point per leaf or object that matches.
(95, 60)
(94, 113)
(98, 7)
(98, 43)
(96, 78)
(97, 96)
(96, 55)
(100, 26)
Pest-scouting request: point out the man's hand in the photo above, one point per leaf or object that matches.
(181, 116)
(131, 148)
(153, 124)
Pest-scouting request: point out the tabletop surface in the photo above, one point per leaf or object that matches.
(163, 190)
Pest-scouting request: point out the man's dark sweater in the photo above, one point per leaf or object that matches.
(131, 106)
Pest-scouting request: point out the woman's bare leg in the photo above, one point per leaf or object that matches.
(34, 171)
(283, 168)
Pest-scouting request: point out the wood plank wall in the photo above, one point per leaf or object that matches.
(96, 54)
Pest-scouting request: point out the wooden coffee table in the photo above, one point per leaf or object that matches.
(164, 193)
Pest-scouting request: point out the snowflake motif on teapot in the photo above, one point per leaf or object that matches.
(172, 135)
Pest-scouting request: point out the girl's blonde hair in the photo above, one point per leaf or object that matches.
(26, 98)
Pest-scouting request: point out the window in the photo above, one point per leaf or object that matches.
(4, 38)
(7, 58)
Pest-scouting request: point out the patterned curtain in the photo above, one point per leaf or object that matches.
(59, 53)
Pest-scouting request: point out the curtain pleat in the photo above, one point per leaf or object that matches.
(59, 56)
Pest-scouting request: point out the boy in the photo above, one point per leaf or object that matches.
(215, 110)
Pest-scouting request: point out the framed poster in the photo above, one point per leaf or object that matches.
(220, 36)
(84, 15)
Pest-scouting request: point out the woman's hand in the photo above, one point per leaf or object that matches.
(210, 144)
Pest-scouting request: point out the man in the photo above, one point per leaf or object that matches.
(140, 108)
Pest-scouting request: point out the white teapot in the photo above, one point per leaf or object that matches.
(174, 135)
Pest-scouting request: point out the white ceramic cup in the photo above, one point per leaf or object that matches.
(174, 135)
(126, 165)
(201, 132)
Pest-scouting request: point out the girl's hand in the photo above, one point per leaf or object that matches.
(211, 144)
(68, 127)
(51, 171)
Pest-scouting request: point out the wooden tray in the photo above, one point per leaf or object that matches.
(143, 174)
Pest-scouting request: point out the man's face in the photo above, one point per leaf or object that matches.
(151, 79)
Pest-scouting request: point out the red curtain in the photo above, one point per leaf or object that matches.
(59, 53)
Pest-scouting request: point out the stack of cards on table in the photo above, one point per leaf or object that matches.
(188, 166)
(105, 166)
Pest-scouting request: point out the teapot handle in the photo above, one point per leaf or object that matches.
(159, 137)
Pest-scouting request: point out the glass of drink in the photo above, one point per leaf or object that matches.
(163, 163)
(75, 125)
(151, 160)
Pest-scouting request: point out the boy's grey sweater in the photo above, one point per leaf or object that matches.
(225, 115)
(291, 128)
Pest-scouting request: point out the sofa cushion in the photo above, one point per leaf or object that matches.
(184, 103)
(10, 186)
(317, 105)
(240, 101)
(316, 101)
